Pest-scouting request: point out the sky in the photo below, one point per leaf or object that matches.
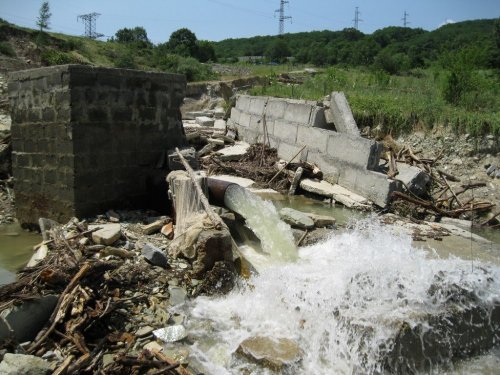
(221, 19)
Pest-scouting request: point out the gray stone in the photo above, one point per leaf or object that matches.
(491, 170)
(174, 162)
(154, 227)
(107, 235)
(342, 114)
(107, 359)
(144, 331)
(16, 364)
(321, 221)
(153, 346)
(28, 319)
(205, 121)
(171, 333)
(192, 115)
(220, 124)
(177, 295)
(463, 224)
(296, 218)
(276, 354)
(235, 152)
(154, 255)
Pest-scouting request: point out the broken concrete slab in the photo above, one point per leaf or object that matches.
(107, 235)
(235, 152)
(205, 121)
(244, 182)
(342, 114)
(463, 224)
(220, 124)
(321, 221)
(416, 180)
(193, 114)
(296, 218)
(336, 192)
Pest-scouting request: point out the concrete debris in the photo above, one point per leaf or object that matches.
(336, 192)
(296, 218)
(235, 152)
(107, 235)
(416, 180)
(342, 114)
(322, 221)
(189, 153)
(205, 121)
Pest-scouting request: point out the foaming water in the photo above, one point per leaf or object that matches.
(261, 216)
(342, 302)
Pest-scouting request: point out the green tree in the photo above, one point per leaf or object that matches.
(44, 16)
(278, 51)
(137, 34)
(206, 51)
(183, 42)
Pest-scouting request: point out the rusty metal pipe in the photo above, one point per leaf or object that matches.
(217, 190)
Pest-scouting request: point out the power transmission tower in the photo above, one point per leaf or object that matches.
(282, 16)
(356, 19)
(405, 19)
(90, 23)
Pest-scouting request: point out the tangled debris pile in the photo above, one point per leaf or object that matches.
(106, 300)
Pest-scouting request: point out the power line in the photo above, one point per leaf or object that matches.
(405, 19)
(356, 19)
(282, 16)
(90, 24)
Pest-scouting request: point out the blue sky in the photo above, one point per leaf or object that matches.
(221, 19)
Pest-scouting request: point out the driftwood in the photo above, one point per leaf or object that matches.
(216, 221)
(281, 170)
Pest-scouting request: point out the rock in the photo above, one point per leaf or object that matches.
(113, 216)
(168, 230)
(457, 161)
(15, 364)
(154, 255)
(177, 295)
(233, 153)
(220, 280)
(107, 235)
(212, 246)
(154, 227)
(321, 221)
(27, 319)
(336, 192)
(153, 345)
(107, 359)
(171, 333)
(205, 121)
(464, 224)
(491, 170)
(39, 255)
(276, 354)
(216, 141)
(244, 182)
(144, 331)
(220, 124)
(296, 218)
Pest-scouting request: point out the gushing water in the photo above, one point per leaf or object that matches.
(275, 236)
(343, 302)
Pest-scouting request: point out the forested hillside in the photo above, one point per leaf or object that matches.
(402, 47)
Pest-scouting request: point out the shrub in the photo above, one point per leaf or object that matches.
(6, 49)
(55, 57)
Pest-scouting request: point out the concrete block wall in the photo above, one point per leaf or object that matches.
(346, 159)
(86, 139)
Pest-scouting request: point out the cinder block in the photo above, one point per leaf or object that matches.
(276, 108)
(285, 131)
(235, 115)
(245, 119)
(287, 151)
(358, 151)
(342, 114)
(298, 113)
(258, 105)
(318, 119)
(313, 137)
(243, 103)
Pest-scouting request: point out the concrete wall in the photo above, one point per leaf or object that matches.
(344, 158)
(86, 139)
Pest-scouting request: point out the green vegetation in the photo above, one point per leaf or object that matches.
(400, 103)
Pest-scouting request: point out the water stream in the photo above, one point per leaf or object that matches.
(343, 301)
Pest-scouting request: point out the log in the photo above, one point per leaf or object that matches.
(286, 165)
(216, 221)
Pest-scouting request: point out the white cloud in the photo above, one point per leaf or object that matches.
(447, 22)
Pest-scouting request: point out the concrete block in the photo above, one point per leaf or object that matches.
(220, 124)
(275, 108)
(287, 151)
(298, 113)
(336, 192)
(205, 121)
(258, 105)
(107, 235)
(318, 119)
(342, 114)
(354, 150)
(235, 152)
(256, 123)
(313, 137)
(417, 181)
(245, 119)
(285, 131)
(243, 103)
(328, 165)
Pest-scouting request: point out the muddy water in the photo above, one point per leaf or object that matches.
(16, 248)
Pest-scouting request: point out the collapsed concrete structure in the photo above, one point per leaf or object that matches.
(343, 155)
(86, 139)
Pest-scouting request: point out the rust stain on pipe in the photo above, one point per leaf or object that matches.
(217, 190)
